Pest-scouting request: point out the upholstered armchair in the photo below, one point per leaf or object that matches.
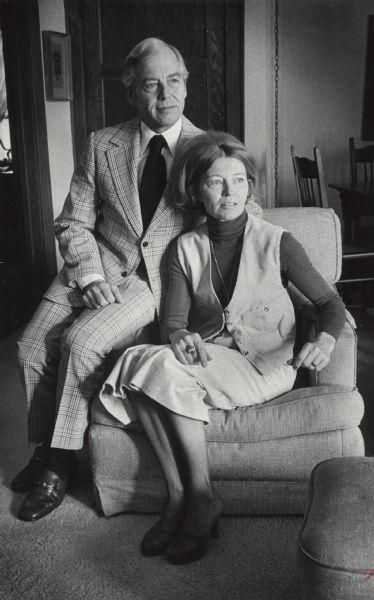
(261, 456)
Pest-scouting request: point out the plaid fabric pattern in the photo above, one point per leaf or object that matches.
(39, 356)
(100, 229)
(63, 353)
(64, 350)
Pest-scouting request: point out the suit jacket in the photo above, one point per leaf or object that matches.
(100, 227)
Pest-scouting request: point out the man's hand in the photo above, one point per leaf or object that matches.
(315, 355)
(99, 293)
(189, 348)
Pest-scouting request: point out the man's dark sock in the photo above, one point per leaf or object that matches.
(60, 461)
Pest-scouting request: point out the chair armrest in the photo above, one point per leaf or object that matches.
(342, 366)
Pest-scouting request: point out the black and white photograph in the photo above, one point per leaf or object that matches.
(186, 299)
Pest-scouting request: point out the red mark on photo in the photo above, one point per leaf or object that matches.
(368, 572)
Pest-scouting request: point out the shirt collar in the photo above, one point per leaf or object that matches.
(171, 136)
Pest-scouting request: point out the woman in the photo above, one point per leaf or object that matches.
(229, 333)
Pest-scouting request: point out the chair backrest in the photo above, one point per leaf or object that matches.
(310, 179)
(362, 163)
(318, 231)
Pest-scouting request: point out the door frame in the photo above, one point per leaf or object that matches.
(234, 76)
(28, 131)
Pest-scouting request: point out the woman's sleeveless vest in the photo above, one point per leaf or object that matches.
(260, 314)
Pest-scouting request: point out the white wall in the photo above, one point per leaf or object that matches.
(322, 65)
(258, 102)
(322, 61)
(60, 144)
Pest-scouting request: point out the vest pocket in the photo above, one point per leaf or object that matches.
(270, 315)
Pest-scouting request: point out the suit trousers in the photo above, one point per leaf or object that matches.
(65, 352)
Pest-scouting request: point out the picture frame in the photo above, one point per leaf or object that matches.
(57, 66)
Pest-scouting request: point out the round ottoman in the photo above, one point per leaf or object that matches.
(336, 544)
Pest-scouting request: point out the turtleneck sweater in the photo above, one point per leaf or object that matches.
(226, 243)
(226, 239)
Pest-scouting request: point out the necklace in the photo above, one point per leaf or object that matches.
(228, 289)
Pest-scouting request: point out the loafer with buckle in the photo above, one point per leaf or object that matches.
(23, 482)
(46, 494)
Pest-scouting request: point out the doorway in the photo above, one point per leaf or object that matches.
(208, 33)
(28, 255)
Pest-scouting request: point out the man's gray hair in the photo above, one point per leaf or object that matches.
(145, 48)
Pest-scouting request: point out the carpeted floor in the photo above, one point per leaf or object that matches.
(74, 554)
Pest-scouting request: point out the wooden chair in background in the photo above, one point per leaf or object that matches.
(356, 284)
(362, 163)
(362, 184)
(310, 180)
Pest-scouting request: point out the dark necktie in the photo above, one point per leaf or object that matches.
(153, 179)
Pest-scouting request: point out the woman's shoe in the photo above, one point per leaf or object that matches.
(186, 547)
(157, 539)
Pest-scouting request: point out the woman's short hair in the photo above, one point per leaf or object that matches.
(196, 157)
(145, 48)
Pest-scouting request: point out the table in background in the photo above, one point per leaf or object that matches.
(356, 285)
(356, 200)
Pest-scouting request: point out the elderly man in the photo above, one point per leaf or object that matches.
(113, 233)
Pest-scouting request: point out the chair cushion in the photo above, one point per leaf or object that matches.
(299, 412)
(336, 544)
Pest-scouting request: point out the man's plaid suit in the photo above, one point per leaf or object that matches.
(64, 348)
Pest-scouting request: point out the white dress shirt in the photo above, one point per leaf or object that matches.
(171, 136)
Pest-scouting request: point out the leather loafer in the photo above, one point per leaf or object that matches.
(46, 494)
(23, 482)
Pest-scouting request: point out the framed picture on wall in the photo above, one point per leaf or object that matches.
(57, 66)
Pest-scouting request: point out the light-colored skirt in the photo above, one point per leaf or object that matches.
(229, 381)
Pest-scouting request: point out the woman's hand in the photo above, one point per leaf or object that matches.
(189, 348)
(315, 355)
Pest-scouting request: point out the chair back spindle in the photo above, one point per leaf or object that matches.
(362, 164)
(310, 179)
